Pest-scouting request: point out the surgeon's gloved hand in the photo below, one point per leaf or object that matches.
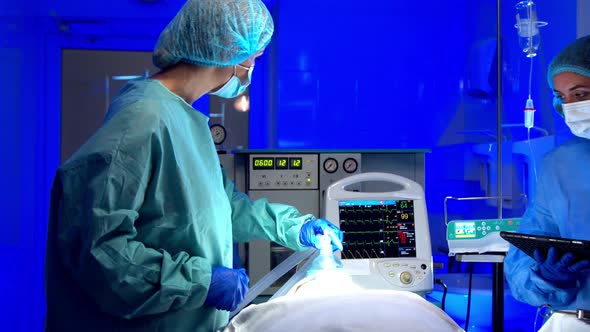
(562, 271)
(227, 289)
(309, 230)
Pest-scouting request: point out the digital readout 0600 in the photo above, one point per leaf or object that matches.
(277, 163)
(263, 163)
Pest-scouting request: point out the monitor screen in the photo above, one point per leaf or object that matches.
(377, 228)
(465, 229)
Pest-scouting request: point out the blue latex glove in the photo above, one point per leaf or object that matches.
(564, 271)
(307, 234)
(227, 289)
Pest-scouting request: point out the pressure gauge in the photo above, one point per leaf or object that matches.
(350, 165)
(330, 165)
(218, 133)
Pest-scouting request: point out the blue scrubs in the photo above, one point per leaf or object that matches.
(562, 208)
(141, 213)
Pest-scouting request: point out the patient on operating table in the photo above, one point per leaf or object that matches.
(327, 299)
(319, 305)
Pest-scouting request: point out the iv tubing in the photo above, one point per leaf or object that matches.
(528, 131)
(298, 276)
(273, 276)
(530, 77)
(533, 162)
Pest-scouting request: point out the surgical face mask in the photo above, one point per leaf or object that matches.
(577, 117)
(234, 87)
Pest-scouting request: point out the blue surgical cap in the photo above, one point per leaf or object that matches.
(214, 33)
(575, 58)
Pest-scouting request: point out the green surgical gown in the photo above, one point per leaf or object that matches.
(140, 214)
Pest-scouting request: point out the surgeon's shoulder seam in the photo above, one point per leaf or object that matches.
(93, 158)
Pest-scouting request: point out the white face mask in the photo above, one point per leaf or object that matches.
(577, 117)
(233, 87)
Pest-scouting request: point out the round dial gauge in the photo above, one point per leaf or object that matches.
(350, 165)
(218, 133)
(330, 165)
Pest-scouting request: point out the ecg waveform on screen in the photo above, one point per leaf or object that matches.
(367, 221)
(372, 209)
(378, 230)
(372, 243)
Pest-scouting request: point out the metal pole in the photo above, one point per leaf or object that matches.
(499, 109)
(498, 268)
(498, 297)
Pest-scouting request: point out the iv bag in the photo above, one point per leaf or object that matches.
(528, 26)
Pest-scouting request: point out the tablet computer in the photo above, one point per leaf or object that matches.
(528, 243)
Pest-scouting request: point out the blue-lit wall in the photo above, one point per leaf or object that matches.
(393, 74)
(22, 195)
(373, 74)
(367, 76)
(32, 34)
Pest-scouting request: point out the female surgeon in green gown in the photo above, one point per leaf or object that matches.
(142, 217)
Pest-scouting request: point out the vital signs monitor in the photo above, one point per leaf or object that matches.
(386, 235)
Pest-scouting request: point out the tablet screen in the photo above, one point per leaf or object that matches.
(528, 243)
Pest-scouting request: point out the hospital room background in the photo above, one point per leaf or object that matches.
(378, 77)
